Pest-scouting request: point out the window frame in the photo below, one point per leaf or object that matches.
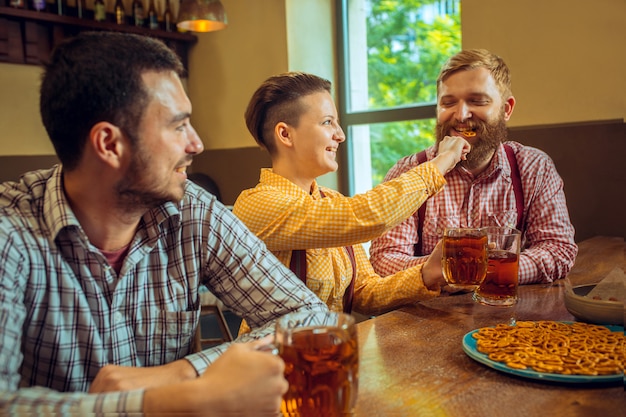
(348, 119)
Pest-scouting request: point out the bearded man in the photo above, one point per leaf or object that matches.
(502, 183)
(102, 257)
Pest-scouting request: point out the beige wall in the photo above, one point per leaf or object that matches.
(566, 56)
(263, 38)
(311, 37)
(226, 66)
(22, 130)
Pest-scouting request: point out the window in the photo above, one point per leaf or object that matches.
(391, 52)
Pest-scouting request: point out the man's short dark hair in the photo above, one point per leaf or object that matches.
(94, 77)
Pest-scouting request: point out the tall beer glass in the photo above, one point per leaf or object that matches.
(500, 285)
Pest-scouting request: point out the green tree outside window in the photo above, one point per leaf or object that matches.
(405, 54)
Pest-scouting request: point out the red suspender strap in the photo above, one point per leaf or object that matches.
(349, 294)
(516, 179)
(298, 267)
(298, 264)
(421, 212)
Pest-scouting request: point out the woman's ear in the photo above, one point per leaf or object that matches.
(282, 131)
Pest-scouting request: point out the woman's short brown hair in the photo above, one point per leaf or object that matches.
(278, 100)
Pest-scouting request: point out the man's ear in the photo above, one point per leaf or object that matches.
(509, 104)
(282, 132)
(107, 143)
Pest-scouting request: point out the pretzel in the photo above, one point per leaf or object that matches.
(467, 133)
(554, 347)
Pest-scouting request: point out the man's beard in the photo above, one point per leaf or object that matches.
(490, 136)
(137, 190)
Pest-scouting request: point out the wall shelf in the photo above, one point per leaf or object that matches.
(28, 36)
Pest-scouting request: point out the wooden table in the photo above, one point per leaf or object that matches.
(412, 362)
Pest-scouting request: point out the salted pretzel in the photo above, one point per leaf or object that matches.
(554, 347)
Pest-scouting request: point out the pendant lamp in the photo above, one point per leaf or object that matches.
(202, 15)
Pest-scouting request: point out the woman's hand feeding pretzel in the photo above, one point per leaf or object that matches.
(451, 150)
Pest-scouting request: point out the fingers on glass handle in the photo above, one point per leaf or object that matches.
(270, 348)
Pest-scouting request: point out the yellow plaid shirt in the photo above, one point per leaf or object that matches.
(288, 218)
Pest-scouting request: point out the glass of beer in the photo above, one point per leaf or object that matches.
(500, 285)
(321, 355)
(464, 258)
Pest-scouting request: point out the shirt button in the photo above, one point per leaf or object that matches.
(118, 317)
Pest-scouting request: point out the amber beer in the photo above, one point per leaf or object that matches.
(464, 259)
(501, 279)
(321, 366)
(500, 284)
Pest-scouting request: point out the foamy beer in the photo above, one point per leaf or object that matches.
(500, 284)
(464, 258)
(321, 355)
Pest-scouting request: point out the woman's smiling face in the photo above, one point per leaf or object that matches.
(317, 135)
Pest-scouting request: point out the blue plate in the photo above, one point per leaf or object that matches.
(469, 347)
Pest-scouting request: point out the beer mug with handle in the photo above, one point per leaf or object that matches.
(321, 355)
(464, 257)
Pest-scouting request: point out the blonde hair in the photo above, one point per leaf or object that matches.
(478, 58)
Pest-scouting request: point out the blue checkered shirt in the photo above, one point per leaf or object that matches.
(65, 313)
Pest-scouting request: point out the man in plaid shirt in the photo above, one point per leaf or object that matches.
(102, 256)
(501, 182)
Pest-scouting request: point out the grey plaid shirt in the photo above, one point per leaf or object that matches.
(65, 313)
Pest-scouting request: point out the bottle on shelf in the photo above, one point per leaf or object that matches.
(61, 7)
(18, 4)
(120, 13)
(81, 9)
(39, 5)
(138, 12)
(99, 11)
(153, 16)
(168, 17)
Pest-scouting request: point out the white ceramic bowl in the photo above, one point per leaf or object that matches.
(592, 311)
